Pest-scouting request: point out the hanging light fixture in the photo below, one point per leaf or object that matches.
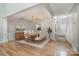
(37, 18)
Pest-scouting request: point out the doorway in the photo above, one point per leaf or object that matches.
(60, 27)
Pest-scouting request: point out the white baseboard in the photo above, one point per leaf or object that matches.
(73, 46)
(74, 49)
(0, 42)
(4, 41)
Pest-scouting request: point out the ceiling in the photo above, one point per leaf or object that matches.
(61, 8)
(12, 8)
(41, 11)
(38, 11)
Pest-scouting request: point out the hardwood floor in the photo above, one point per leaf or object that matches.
(53, 48)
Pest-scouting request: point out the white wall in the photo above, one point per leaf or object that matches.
(5, 39)
(1, 30)
(2, 9)
(11, 28)
(72, 29)
(25, 18)
(78, 30)
(7, 9)
(2, 24)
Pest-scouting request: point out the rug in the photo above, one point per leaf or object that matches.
(39, 44)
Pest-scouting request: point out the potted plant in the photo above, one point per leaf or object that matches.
(49, 31)
(18, 28)
(21, 28)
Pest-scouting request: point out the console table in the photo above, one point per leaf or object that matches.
(19, 36)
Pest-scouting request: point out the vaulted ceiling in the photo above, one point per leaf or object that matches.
(45, 11)
(61, 8)
(57, 8)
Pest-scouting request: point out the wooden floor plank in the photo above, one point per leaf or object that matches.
(53, 48)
